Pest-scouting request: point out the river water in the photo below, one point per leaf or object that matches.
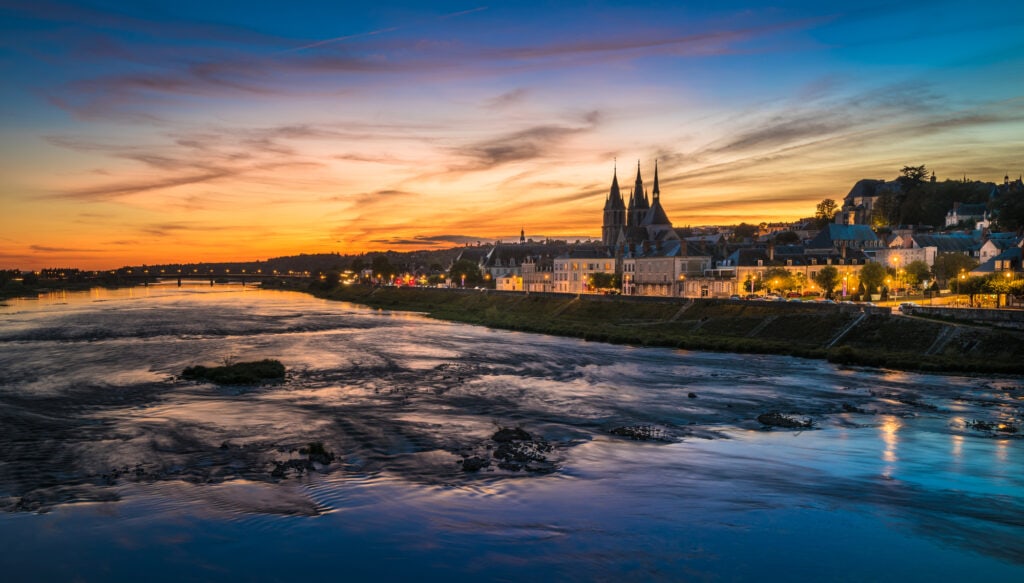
(113, 468)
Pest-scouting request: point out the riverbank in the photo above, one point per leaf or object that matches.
(839, 333)
(19, 290)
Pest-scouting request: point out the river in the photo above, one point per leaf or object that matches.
(113, 468)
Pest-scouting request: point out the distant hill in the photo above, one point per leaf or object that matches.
(411, 261)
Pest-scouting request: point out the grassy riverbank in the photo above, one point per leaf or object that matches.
(837, 333)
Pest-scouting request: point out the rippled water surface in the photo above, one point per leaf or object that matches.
(113, 468)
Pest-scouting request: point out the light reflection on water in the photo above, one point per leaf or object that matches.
(901, 490)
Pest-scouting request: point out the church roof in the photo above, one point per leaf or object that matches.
(587, 252)
(656, 216)
(954, 243)
(795, 256)
(511, 255)
(833, 233)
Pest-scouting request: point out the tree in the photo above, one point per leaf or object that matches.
(800, 280)
(872, 275)
(971, 286)
(603, 281)
(469, 270)
(1009, 212)
(1003, 284)
(787, 238)
(912, 176)
(885, 210)
(909, 198)
(382, 268)
(777, 278)
(827, 279)
(744, 231)
(331, 279)
(948, 266)
(752, 284)
(825, 212)
(917, 271)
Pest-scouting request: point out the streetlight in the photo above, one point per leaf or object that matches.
(959, 286)
(1008, 283)
(896, 267)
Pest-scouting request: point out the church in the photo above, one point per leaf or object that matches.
(642, 221)
(650, 257)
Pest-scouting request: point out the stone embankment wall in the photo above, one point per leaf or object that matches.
(1006, 318)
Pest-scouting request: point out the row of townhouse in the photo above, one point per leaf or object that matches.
(640, 246)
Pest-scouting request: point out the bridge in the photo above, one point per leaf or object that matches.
(211, 275)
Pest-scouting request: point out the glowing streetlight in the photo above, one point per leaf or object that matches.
(959, 286)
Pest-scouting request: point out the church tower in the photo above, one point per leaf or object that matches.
(614, 214)
(638, 204)
(656, 221)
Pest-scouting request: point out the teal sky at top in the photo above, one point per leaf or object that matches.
(49, 45)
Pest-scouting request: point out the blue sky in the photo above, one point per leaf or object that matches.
(206, 130)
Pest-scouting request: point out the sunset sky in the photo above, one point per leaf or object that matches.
(199, 131)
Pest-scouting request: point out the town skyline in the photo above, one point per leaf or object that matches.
(194, 133)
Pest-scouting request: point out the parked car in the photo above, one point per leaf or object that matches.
(735, 297)
(793, 294)
(907, 307)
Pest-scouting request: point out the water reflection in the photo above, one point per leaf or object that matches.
(889, 430)
(92, 411)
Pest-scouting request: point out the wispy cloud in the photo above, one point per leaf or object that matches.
(507, 99)
(48, 249)
(534, 142)
(373, 33)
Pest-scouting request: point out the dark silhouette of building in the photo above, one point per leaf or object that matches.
(642, 221)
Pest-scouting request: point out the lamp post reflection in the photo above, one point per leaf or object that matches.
(889, 433)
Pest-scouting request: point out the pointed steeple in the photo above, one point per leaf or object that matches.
(638, 190)
(639, 186)
(657, 191)
(614, 200)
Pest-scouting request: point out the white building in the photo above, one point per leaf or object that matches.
(572, 272)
